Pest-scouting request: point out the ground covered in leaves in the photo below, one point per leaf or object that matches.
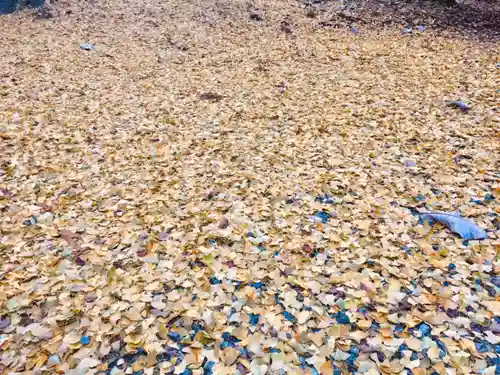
(217, 187)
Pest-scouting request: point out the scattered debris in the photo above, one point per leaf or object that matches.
(311, 12)
(410, 163)
(87, 46)
(211, 96)
(255, 16)
(286, 27)
(146, 231)
(463, 227)
(458, 104)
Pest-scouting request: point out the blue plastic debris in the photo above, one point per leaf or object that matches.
(129, 359)
(475, 327)
(351, 362)
(30, 221)
(420, 198)
(380, 356)
(399, 328)
(174, 336)
(451, 267)
(342, 318)
(208, 368)
(354, 30)
(238, 284)
(495, 280)
(442, 348)
(244, 353)
(399, 354)
(227, 344)
(436, 192)
(254, 319)
(458, 104)
(466, 229)
(87, 46)
(494, 362)
(483, 346)
(277, 299)
(354, 351)
(322, 215)
(491, 290)
(406, 30)
(477, 201)
(84, 340)
(257, 285)
(409, 163)
(274, 350)
(230, 338)
(424, 329)
(289, 317)
(324, 199)
(214, 281)
(196, 327)
(302, 361)
(421, 28)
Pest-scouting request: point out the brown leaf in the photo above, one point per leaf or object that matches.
(224, 223)
(212, 96)
(71, 238)
(326, 368)
(230, 355)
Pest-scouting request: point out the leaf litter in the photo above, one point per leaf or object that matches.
(150, 227)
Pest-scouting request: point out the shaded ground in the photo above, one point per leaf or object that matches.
(222, 188)
(468, 19)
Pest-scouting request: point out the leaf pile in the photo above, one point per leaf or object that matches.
(202, 192)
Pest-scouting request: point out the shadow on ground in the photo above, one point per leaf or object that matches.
(473, 19)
